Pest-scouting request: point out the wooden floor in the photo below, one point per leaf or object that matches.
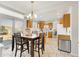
(51, 50)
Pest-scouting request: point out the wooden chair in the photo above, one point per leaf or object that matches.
(20, 43)
(40, 44)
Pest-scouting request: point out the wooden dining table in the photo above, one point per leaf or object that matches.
(31, 38)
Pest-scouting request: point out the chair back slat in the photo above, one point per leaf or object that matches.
(17, 37)
(41, 40)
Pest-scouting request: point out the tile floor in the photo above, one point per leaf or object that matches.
(51, 50)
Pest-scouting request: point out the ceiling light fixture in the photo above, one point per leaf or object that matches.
(32, 15)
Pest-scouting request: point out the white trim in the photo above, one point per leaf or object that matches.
(10, 13)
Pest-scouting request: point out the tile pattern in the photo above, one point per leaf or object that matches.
(51, 50)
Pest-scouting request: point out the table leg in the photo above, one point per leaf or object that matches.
(32, 48)
(12, 43)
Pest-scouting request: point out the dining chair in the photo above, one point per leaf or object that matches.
(20, 43)
(40, 44)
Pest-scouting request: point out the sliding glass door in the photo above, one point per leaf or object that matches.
(9, 26)
(5, 28)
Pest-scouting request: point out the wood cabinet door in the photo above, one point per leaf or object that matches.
(29, 23)
(49, 34)
(41, 24)
(66, 20)
(64, 37)
(50, 25)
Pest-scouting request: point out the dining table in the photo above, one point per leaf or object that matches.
(31, 38)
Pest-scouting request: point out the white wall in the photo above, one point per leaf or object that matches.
(78, 29)
(62, 30)
(74, 28)
(73, 31)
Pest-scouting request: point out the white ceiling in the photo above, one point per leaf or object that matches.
(46, 10)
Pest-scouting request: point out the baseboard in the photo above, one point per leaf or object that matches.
(75, 55)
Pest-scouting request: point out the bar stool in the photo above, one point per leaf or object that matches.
(20, 42)
(40, 44)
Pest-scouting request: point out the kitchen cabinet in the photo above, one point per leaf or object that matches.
(64, 37)
(49, 34)
(41, 24)
(66, 20)
(50, 25)
(29, 23)
(64, 43)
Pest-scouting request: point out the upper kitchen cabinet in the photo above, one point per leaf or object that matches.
(66, 20)
(41, 24)
(29, 23)
(50, 25)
